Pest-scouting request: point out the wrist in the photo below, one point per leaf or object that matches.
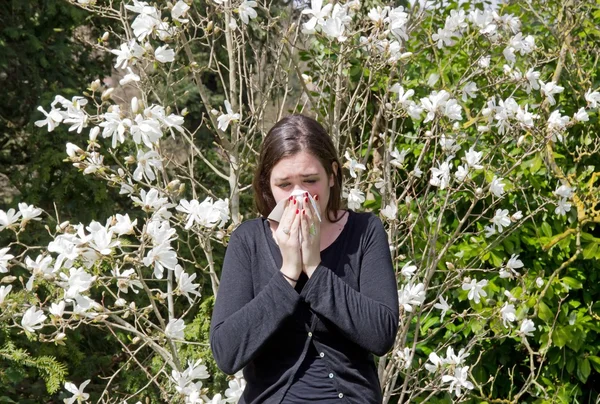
(310, 269)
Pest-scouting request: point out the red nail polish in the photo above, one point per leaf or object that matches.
(306, 194)
(295, 201)
(303, 212)
(316, 197)
(291, 197)
(305, 199)
(297, 211)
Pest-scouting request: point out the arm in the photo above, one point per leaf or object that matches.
(369, 318)
(242, 322)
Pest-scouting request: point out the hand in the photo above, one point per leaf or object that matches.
(311, 237)
(287, 236)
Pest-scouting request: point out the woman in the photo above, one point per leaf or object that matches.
(303, 304)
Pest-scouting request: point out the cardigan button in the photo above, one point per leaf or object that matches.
(331, 375)
(340, 395)
(321, 354)
(309, 334)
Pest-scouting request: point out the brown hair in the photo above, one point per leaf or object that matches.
(289, 136)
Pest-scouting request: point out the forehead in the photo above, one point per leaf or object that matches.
(299, 164)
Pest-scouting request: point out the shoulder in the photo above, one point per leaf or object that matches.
(247, 234)
(365, 222)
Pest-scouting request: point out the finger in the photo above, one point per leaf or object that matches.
(287, 217)
(317, 208)
(295, 226)
(305, 226)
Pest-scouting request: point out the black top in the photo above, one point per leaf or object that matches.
(348, 310)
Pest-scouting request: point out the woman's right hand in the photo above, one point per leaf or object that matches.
(288, 238)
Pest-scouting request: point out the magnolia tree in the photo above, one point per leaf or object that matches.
(454, 124)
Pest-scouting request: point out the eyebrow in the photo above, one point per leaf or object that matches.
(303, 176)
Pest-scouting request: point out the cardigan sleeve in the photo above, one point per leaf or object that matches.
(242, 322)
(368, 316)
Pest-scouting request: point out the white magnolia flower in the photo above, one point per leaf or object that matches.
(533, 79)
(390, 212)
(175, 329)
(4, 258)
(58, 309)
(403, 96)
(179, 10)
(128, 53)
(435, 103)
(53, 118)
(473, 158)
(557, 124)
(147, 131)
(408, 270)
(549, 90)
(247, 11)
(32, 319)
(469, 91)
(318, 15)
(436, 363)
(458, 381)
(444, 37)
(512, 265)
(235, 390)
(163, 54)
(592, 98)
(515, 217)
(443, 306)
(145, 24)
(78, 394)
(334, 28)
(398, 157)
(207, 213)
(151, 200)
(539, 282)
(77, 282)
(353, 165)
(581, 115)
(4, 291)
(378, 14)
(562, 207)
(39, 268)
(126, 280)
(355, 199)
(147, 162)
(501, 219)
(440, 177)
(225, 119)
(497, 186)
(448, 145)
(475, 289)
(564, 191)
(404, 357)
(508, 313)
(162, 256)
(527, 328)
(129, 77)
(411, 295)
(489, 231)
(461, 173)
(114, 126)
(456, 359)
(123, 225)
(185, 284)
(8, 218)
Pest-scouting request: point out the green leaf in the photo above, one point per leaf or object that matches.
(583, 369)
(595, 362)
(590, 250)
(572, 283)
(545, 313)
(546, 229)
(561, 336)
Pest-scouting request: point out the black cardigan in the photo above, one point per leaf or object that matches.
(348, 310)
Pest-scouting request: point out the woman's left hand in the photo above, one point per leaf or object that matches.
(311, 238)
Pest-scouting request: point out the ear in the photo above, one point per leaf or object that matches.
(334, 167)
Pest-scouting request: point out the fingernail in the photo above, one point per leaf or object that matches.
(303, 212)
(297, 211)
(306, 194)
(295, 201)
(291, 197)
(316, 197)
(305, 199)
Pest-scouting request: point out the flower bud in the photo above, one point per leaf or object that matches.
(94, 133)
(96, 84)
(8, 279)
(148, 47)
(209, 26)
(129, 160)
(106, 94)
(450, 266)
(173, 185)
(105, 37)
(135, 340)
(134, 105)
(479, 192)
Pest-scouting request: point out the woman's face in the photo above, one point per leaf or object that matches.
(302, 171)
